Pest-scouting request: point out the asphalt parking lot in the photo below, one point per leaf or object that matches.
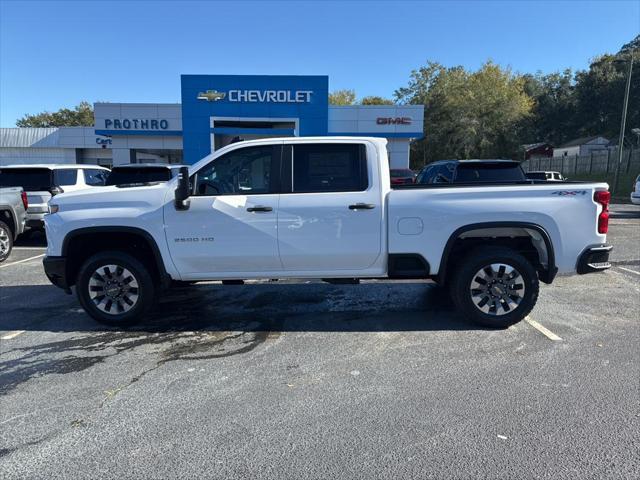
(310, 380)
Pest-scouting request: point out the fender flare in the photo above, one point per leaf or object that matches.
(546, 276)
(165, 277)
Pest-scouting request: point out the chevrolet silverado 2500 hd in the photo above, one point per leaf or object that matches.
(322, 208)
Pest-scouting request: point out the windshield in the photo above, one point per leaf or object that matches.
(401, 173)
(30, 179)
(135, 175)
(489, 172)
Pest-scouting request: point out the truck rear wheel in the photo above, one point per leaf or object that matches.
(115, 289)
(495, 287)
(6, 241)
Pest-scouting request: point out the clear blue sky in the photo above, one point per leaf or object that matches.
(54, 54)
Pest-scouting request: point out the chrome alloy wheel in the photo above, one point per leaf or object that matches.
(113, 289)
(4, 242)
(497, 289)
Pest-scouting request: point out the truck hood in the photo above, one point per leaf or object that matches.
(114, 197)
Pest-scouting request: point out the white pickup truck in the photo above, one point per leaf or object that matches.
(322, 208)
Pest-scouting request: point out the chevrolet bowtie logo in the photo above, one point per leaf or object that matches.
(211, 95)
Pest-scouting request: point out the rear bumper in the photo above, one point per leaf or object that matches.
(594, 259)
(35, 223)
(635, 198)
(35, 219)
(56, 270)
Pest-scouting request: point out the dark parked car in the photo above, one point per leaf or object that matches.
(141, 174)
(401, 176)
(471, 171)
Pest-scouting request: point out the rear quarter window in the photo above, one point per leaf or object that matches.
(67, 176)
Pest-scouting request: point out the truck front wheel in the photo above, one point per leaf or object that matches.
(6, 241)
(495, 286)
(115, 289)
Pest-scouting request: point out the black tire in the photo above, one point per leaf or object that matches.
(6, 241)
(145, 290)
(498, 291)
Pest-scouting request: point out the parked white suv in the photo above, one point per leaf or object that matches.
(41, 182)
(323, 208)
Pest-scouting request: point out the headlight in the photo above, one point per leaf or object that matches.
(53, 208)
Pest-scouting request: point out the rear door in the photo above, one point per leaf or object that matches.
(330, 215)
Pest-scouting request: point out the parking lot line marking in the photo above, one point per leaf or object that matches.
(543, 330)
(629, 270)
(22, 261)
(29, 248)
(11, 335)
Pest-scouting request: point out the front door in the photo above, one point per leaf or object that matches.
(231, 224)
(331, 221)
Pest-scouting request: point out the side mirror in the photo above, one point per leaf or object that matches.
(56, 191)
(183, 191)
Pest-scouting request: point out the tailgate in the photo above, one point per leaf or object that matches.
(38, 201)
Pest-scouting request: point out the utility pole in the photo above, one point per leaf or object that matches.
(623, 124)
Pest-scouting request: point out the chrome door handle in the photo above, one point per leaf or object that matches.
(362, 206)
(259, 208)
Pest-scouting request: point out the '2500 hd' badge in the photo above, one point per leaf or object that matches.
(193, 239)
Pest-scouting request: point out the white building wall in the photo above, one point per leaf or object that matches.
(25, 156)
(398, 153)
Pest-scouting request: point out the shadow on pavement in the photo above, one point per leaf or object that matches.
(318, 307)
(31, 238)
(625, 214)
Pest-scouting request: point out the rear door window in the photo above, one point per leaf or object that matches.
(30, 179)
(329, 167)
(66, 176)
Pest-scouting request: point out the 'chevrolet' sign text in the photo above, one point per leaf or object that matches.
(270, 96)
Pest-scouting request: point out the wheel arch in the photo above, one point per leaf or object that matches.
(74, 236)
(8, 216)
(501, 229)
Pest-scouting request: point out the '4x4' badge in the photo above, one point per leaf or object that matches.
(569, 193)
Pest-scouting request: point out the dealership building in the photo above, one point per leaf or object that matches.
(215, 111)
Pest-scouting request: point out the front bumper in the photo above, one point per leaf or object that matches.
(594, 259)
(635, 198)
(56, 270)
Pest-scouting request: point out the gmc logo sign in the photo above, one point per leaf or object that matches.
(393, 121)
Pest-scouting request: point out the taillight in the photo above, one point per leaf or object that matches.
(603, 197)
(25, 200)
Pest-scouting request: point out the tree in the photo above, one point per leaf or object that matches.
(80, 116)
(342, 97)
(599, 93)
(467, 114)
(375, 100)
(552, 119)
